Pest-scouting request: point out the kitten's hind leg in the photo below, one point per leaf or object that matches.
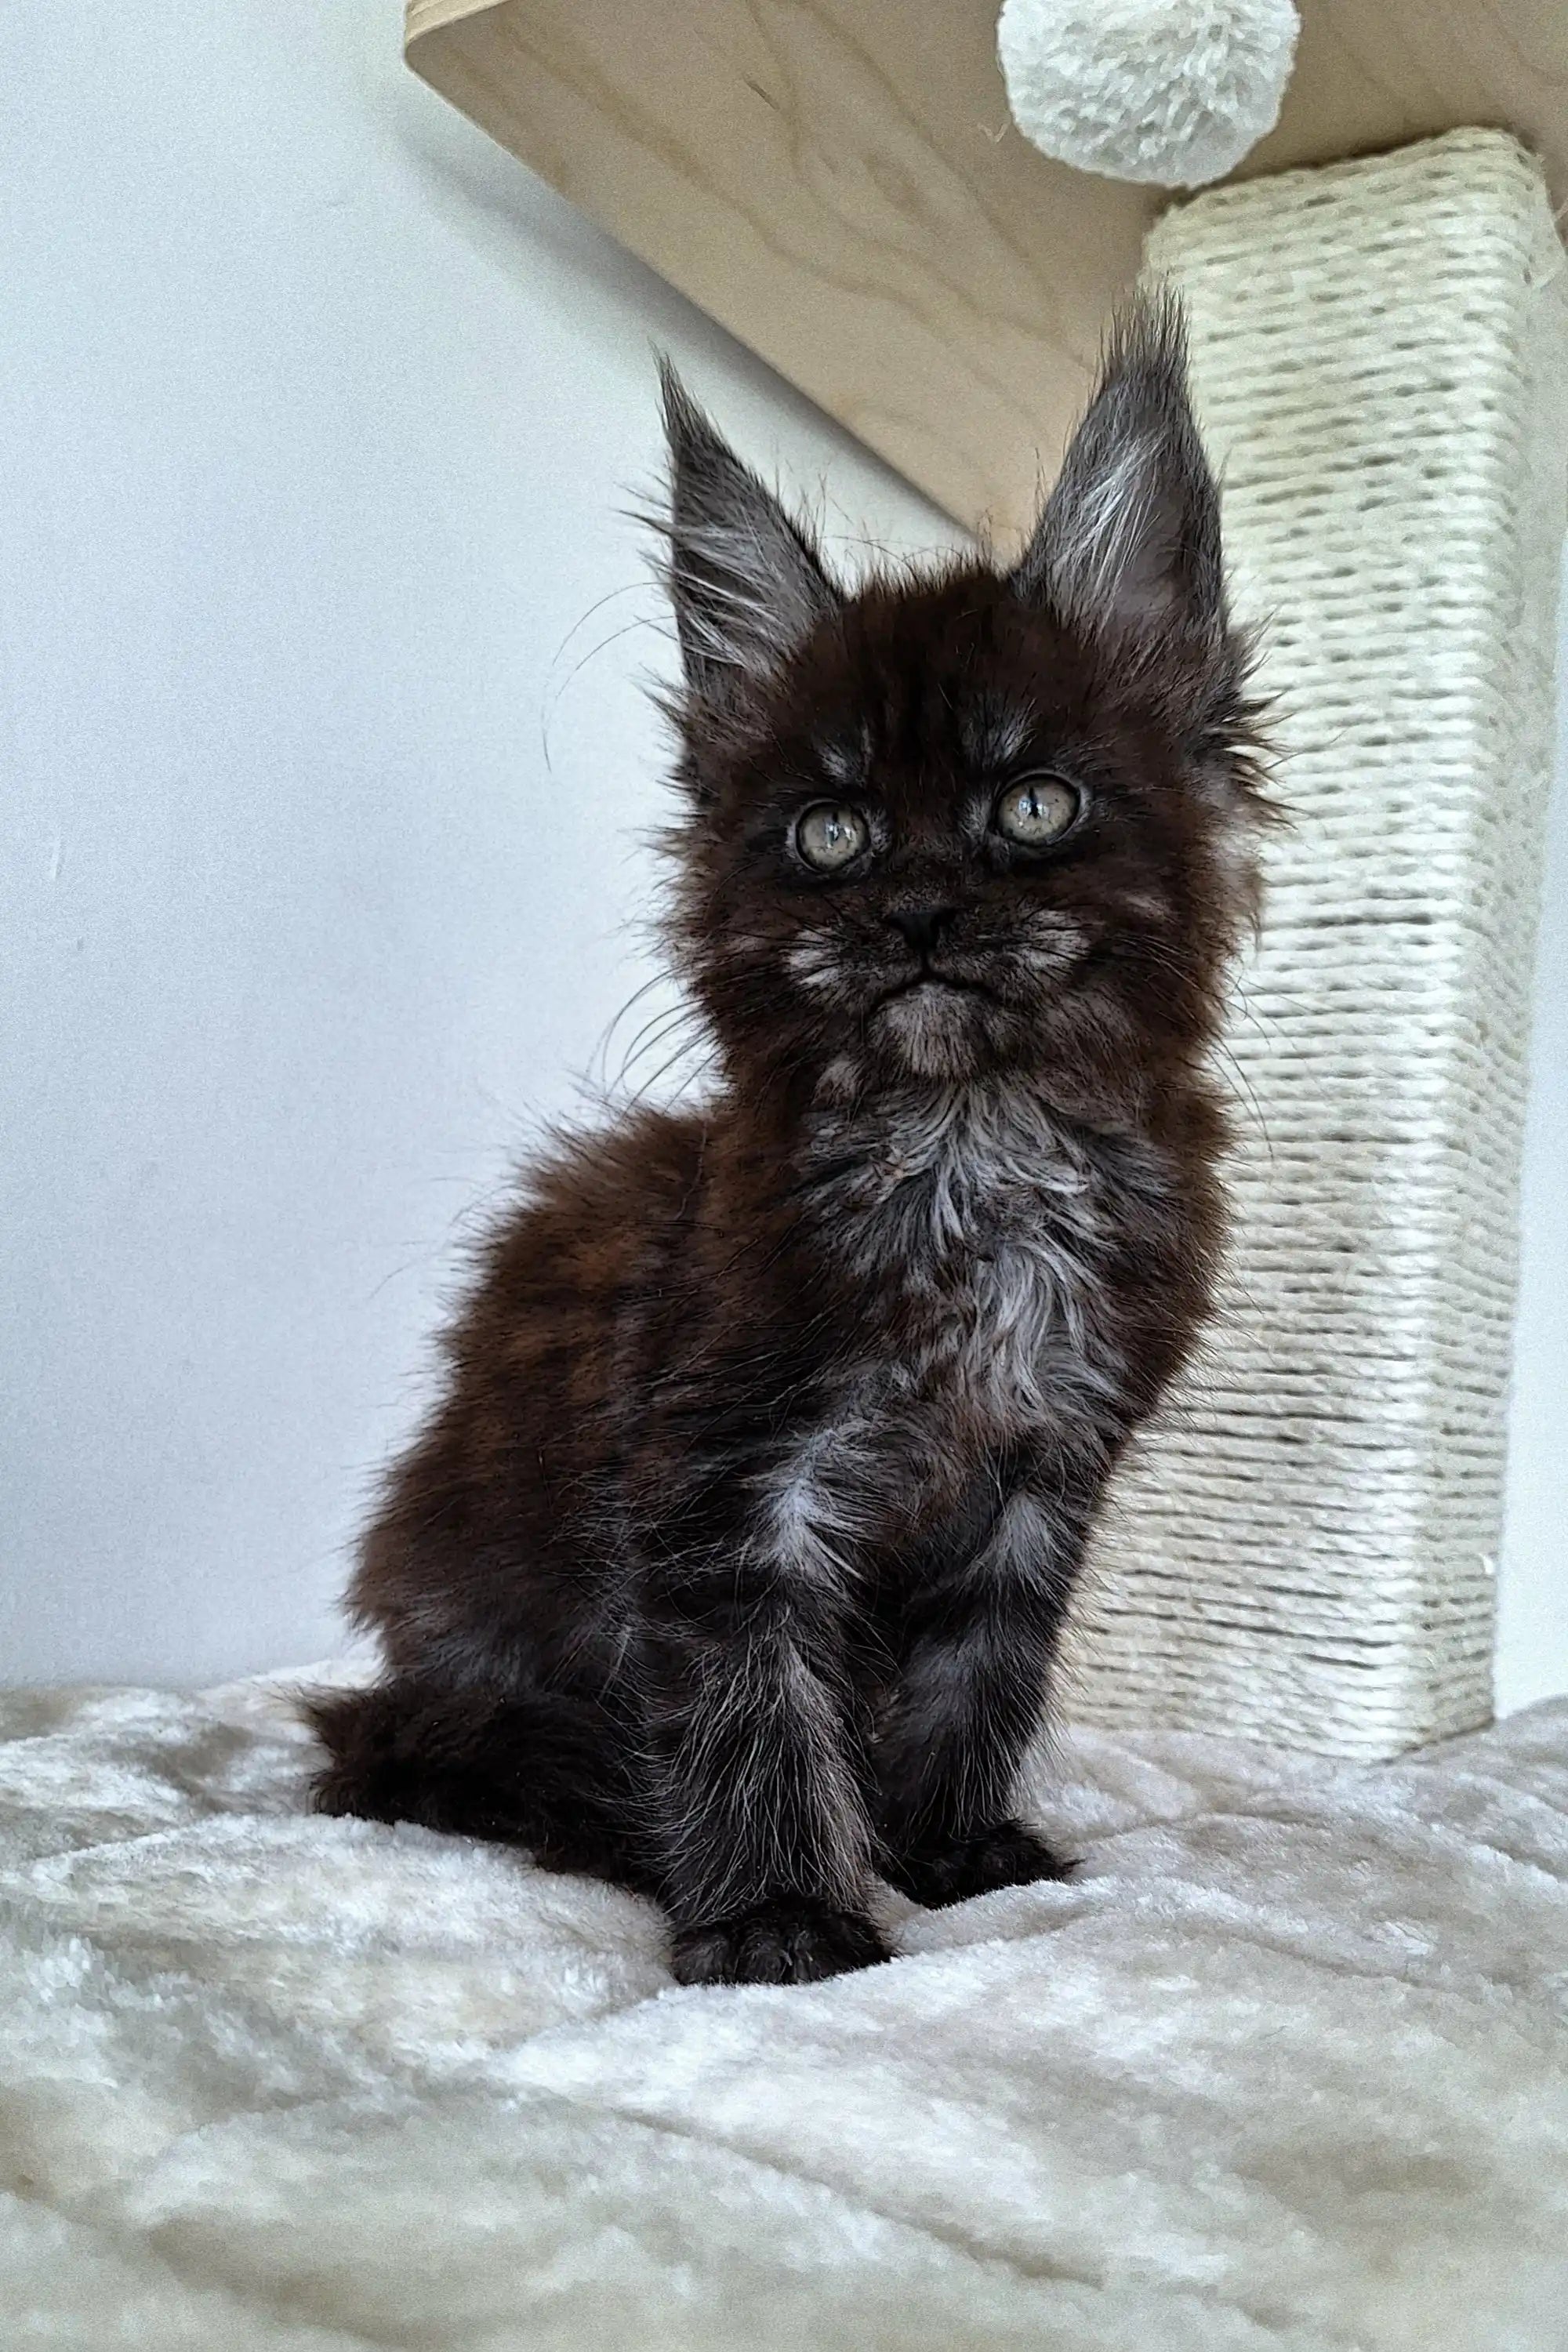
(542, 1771)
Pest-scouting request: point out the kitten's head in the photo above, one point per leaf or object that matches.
(981, 822)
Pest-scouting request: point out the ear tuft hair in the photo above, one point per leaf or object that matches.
(747, 583)
(1128, 543)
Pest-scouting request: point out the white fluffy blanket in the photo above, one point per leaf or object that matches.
(1286, 2067)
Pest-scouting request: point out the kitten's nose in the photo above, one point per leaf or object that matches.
(921, 925)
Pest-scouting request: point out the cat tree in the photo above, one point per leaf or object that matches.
(1306, 1549)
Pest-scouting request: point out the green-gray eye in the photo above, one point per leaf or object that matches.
(1037, 811)
(830, 838)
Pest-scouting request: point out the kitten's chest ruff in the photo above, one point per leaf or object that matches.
(981, 1235)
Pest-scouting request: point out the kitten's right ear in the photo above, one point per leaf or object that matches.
(747, 583)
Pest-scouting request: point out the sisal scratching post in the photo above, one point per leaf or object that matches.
(1305, 1548)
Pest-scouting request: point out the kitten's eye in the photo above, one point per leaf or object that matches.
(831, 838)
(1037, 809)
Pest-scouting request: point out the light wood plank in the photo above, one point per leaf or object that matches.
(839, 183)
(1375, 74)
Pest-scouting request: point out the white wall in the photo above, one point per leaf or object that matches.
(326, 764)
(319, 635)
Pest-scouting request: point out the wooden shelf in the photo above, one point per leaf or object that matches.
(839, 183)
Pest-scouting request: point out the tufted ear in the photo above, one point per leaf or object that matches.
(1128, 543)
(747, 583)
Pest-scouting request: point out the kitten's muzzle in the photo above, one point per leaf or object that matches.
(939, 983)
(920, 926)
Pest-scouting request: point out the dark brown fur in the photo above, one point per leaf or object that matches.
(732, 1563)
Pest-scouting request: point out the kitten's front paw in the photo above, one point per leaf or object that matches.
(786, 1942)
(1007, 1855)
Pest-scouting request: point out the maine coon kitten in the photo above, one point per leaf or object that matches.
(732, 1563)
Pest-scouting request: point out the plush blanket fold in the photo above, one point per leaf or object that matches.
(1286, 2065)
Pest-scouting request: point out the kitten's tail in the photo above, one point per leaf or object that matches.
(543, 1770)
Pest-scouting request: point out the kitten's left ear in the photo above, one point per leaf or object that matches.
(747, 583)
(1128, 544)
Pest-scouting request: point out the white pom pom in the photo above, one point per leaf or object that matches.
(1171, 90)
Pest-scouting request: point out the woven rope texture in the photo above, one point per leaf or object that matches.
(1305, 1548)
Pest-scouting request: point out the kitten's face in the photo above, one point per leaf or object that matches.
(951, 852)
(983, 823)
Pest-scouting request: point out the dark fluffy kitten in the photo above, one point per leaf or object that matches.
(732, 1563)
